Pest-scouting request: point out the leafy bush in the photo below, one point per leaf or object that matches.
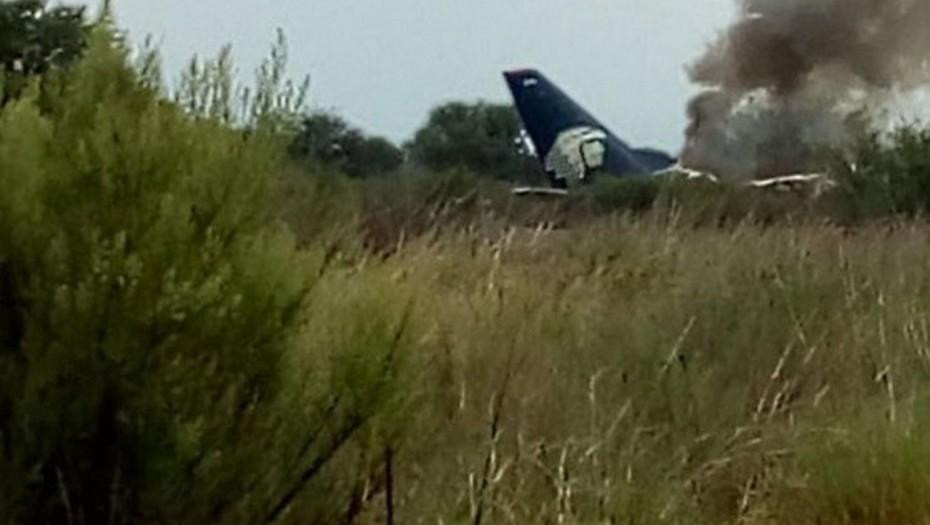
(138, 305)
(479, 137)
(883, 175)
(36, 39)
(328, 140)
(150, 302)
(628, 194)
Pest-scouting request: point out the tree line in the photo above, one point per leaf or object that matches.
(482, 137)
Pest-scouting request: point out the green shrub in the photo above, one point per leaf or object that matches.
(142, 323)
(628, 194)
(880, 176)
(37, 39)
(480, 137)
(150, 303)
(327, 139)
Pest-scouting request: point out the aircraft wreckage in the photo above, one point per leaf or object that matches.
(573, 146)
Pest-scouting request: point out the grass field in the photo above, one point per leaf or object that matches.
(641, 371)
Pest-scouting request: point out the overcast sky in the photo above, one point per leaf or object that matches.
(382, 64)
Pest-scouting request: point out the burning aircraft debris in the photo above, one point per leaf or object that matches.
(792, 76)
(788, 80)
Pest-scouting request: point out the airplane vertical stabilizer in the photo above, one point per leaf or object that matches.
(570, 142)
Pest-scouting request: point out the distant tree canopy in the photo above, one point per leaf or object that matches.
(327, 138)
(35, 38)
(481, 137)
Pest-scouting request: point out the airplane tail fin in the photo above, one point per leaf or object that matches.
(545, 110)
(568, 140)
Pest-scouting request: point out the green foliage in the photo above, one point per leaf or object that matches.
(629, 194)
(134, 258)
(480, 137)
(35, 38)
(882, 175)
(152, 362)
(328, 139)
(208, 90)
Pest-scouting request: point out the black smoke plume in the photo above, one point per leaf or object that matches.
(787, 77)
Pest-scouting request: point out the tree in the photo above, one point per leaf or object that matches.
(35, 38)
(327, 138)
(481, 137)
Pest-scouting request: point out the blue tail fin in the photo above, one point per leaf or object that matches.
(570, 143)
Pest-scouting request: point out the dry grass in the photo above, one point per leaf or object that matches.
(643, 372)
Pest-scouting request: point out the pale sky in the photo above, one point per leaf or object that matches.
(382, 64)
